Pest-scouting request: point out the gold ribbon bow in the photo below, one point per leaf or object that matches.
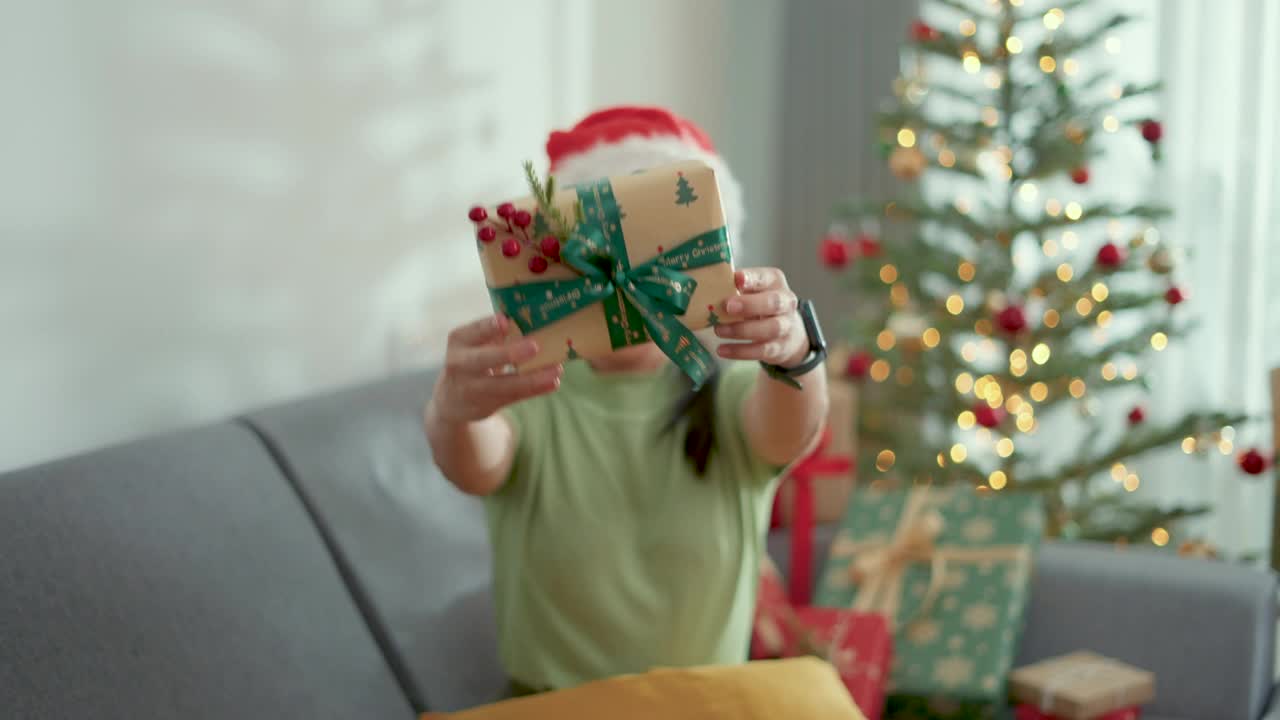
(878, 565)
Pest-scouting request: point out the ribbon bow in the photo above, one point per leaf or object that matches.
(878, 566)
(642, 303)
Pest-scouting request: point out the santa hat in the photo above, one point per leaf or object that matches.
(621, 140)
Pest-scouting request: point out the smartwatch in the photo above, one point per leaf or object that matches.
(817, 350)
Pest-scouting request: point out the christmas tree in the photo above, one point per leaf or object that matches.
(684, 191)
(995, 299)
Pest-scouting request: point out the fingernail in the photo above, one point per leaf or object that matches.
(733, 306)
(722, 331)
(526, 349)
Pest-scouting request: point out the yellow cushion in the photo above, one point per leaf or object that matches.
(805, 687)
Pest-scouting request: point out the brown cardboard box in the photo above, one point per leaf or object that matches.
(647, 214)
(831, 493)
(1081, 686)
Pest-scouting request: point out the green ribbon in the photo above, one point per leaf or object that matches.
(641, 303)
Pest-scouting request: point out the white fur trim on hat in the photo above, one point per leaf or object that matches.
(641, 153)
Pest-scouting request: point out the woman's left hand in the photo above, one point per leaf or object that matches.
(769, 322)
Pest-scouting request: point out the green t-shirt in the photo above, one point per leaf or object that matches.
(611, 555)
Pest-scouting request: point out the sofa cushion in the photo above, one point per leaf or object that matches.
(178, 577)
(415, 548)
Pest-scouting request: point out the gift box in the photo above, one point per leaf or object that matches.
(949, 568)
(830, 482)
(603, 265)
(858, 645)
(1031, 712)
(1081, 686)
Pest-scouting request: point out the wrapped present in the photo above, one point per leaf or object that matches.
(831, 482)
(858, 645)
(1081, 686)
(603, 265)
(950, 569)
(1031, 712)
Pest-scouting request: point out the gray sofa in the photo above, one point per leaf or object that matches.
(307, 561)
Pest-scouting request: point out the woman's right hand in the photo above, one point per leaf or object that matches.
(476, 382)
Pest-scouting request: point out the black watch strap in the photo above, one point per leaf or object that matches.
(817, 349)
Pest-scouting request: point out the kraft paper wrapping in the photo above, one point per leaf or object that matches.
(1081, 686)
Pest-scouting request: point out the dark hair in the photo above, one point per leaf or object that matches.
(696, 411)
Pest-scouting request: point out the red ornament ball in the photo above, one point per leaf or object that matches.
(1012, 319)
(1174, 295)
(1152, 131)
(511, 247)
(1080, 175)
(834, 251)
(1253, 462)
(1111, 256)
(987, 416)
(537, 264)
(486, 234)
(506, 210)
(550, 246)
(858, 365)
(868, 245)
(522, 218)
(1137, 415)
(478, 214)
(922, 31)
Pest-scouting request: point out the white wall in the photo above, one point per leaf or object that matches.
(211, 205)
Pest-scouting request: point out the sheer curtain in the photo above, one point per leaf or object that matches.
(1221, 67)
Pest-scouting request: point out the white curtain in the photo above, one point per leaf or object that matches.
(1220, 62)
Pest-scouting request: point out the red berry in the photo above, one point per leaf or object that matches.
(506, 210)
(859, 365)
(522, 218)
(537, 264)
(834, 251)
(987, 416)
(868, 245)
(1137, 415)
(1111, 256)
(487, 234)
(550, 247)
(511, 247)
(1152, 131)
(922, 31)
(478, 214)
(1174, 295)
(1012, 319)
(1080, 175)
(1253, 462)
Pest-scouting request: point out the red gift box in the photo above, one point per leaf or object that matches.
(1031, 712)
(859, 645)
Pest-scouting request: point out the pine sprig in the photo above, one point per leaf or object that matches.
(543, 193)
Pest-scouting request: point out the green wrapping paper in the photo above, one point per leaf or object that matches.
(950, 568)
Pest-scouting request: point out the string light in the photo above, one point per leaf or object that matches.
(1040, 354)
(966, 420)
(1048, 64)
(959, 453)
(1228, 433)
(997, 480)
(1028, 191)
(1084, 306)
(1013, 44)
(1131, 482)
(1025, 423)
(899, 295)
(1110, 123)
(1050, 248)
(1070, 66)
(1130, 372)
(1188, 445)
(1039, 392)
(1109, 371)
(962, 205)
(907, 137)
(964, 383)
(1225, 446)
(942, 460)
(1066, 272)
(969, 352)
(1104, 318)
(1116, 91)
(946, 158)
(1159, 341)
(1053, 207)
(931, 337)
(990, 116)
(1014, 403)
(904, 376)
(1112, 43)
(993, 80)
(955, 304)
(1070, 240)
(1118, 472)
(885, 460)
(888, 274)
(968, 27)
(1004, 448)
(880, 370)
(982, 327)
(972, 64)
(1160, 537)
(885, 340)
(1076, 388)
(966, 271)
(1074, 211)
(1051, 318)
(1099, 291)
(1054, 18)
(1018, 363)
